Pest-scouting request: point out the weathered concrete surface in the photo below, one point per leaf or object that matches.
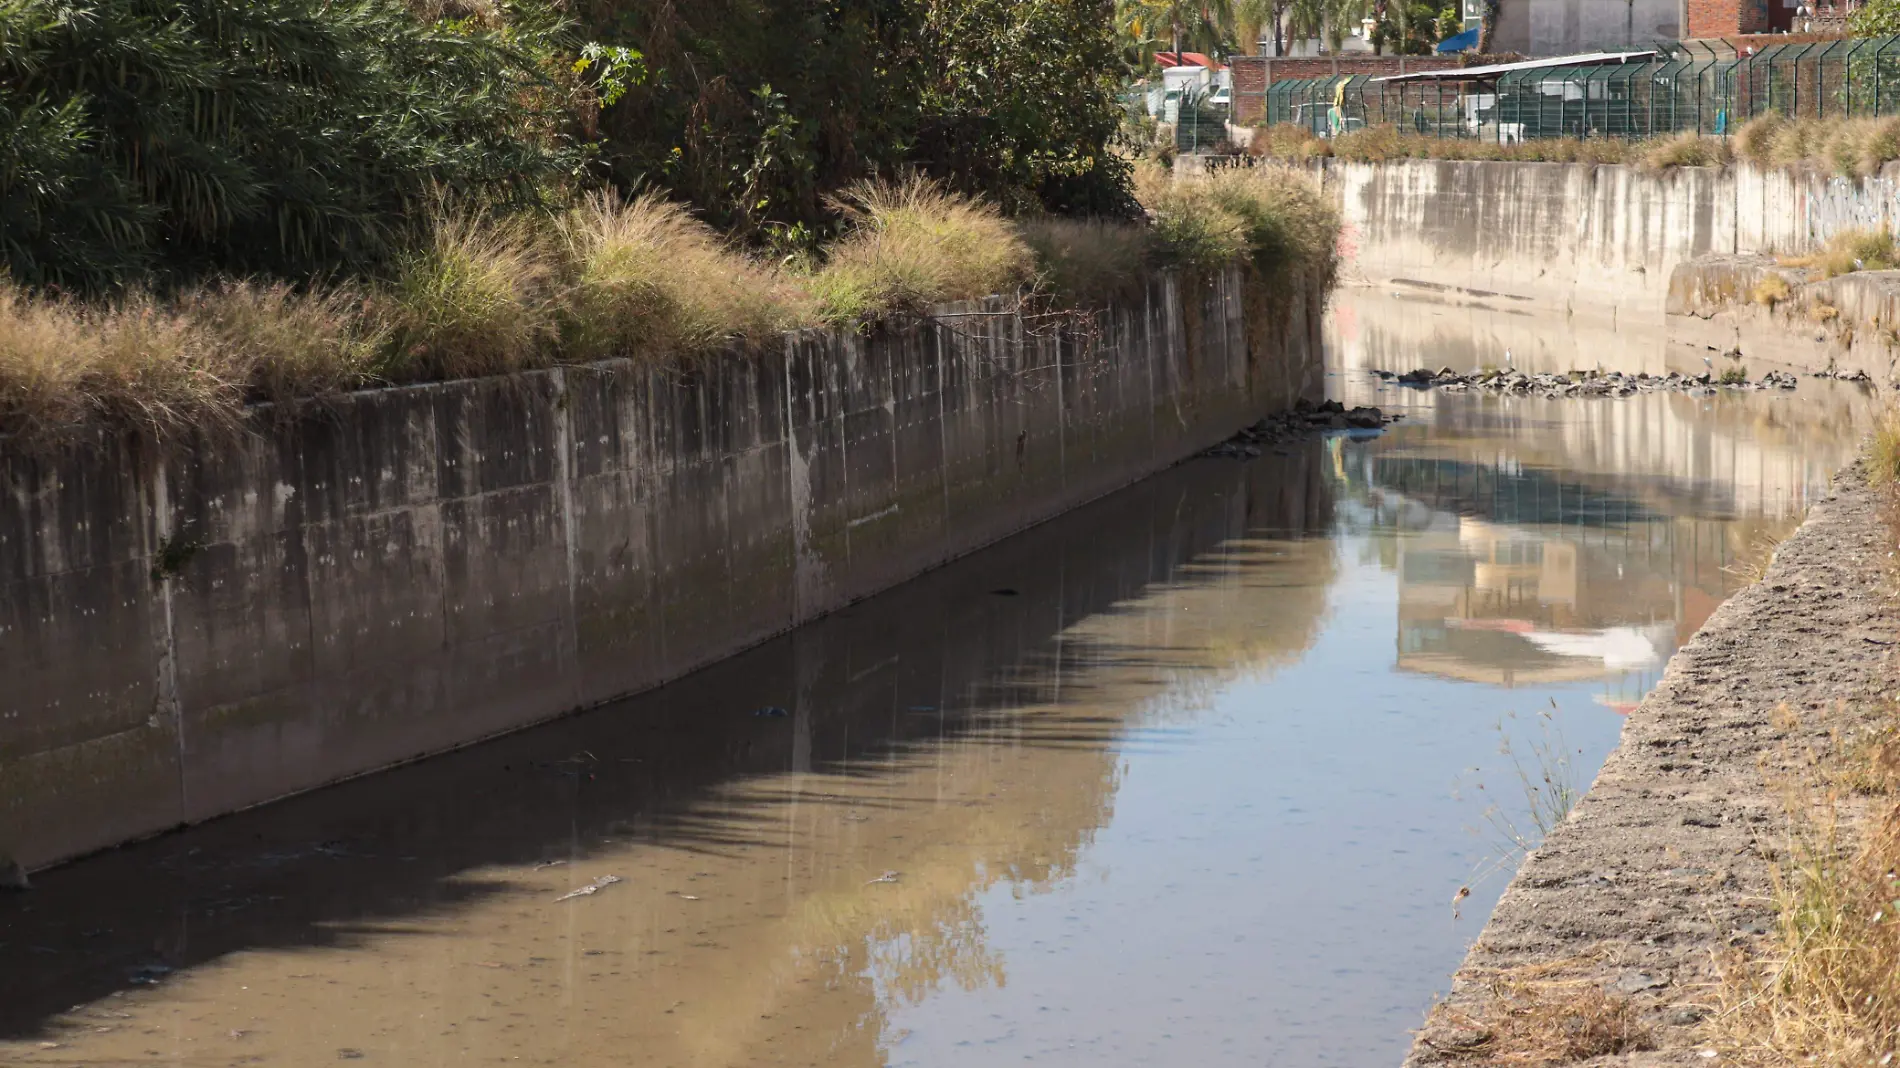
(417, 568)
(1598, 242)
(1592, 241)
(1663, 864)
(1844, 325)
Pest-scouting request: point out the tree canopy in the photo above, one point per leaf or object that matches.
(176, 138)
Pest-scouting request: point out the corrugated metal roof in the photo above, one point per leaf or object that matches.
(1460, 74)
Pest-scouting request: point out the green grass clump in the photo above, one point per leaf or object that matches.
(1276, 219)
(476, 299)
(1733, 376)
(647, 279)
(912, 244)
(1087, 262)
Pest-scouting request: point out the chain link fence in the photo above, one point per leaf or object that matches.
(1687, 86)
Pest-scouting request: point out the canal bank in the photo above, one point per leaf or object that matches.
(1636, 932)
(1661, 883)
(409, 570)
(1187, 774)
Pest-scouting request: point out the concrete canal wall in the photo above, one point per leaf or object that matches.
(1683, 250)
(188, 634)
(1596, 240)
(1656, 874)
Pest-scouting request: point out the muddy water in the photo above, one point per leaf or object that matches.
(1190, 776)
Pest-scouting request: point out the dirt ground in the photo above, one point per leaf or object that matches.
(1664, 864)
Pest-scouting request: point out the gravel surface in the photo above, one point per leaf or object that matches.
(1664, 863)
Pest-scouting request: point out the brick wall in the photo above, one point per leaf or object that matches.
(1253, 74)
(1728, 18)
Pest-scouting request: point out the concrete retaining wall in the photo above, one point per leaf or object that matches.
(413, 569)
(1729, 305)
(1595, 241)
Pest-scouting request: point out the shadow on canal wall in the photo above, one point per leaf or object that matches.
(422, 567)
(980, 662)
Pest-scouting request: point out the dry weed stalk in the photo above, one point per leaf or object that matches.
(1532, 1015)
(1824, 987)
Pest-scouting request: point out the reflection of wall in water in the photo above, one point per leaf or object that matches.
(1736, 453)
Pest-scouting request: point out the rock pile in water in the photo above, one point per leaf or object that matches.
(1843, 376)
(1305, 420)
(1578, 383)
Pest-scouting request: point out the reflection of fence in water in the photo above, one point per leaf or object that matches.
(1686, 86)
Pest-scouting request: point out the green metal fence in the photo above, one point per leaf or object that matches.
(1687, 86)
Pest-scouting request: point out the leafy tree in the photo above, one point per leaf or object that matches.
(754, 110)
(1408, 28)
(1019, 105)
(1450, 23)
(1876, 18)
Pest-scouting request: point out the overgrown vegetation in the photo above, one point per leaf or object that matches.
(1847, 252)
(162, 142)
(1848, 147)
(203, 206)
(176, 138)
(1379, 144)
(1537, 1015)
(1825, 988)
(641, 277)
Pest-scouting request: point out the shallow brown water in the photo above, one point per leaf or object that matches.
(1187, 777)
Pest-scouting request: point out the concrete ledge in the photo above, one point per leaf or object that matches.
(1844, 325)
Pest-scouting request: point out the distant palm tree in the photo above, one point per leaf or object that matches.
(1252, 17)
(1327, 20)
(1207, 22)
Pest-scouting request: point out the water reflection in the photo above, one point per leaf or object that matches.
(1170, 780)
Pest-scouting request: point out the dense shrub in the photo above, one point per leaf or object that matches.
(283, 136)
(490, 294)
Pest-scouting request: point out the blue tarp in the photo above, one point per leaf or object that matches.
(1459, 42)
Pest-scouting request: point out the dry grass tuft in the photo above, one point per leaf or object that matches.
(1288, 141)
(912, 244)
(476, 299)
(1883, 455)
(289, 344)
(1850, 251)
(1683, 150)
(648, 279)
(1379, 144)
(1088, 262)
(1770, 291)
(133, 365)
(1754, 137)
(1756, 554)
(1538, 1021)
(1825, 989)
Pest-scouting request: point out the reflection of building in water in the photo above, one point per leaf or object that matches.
(1513, 575)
